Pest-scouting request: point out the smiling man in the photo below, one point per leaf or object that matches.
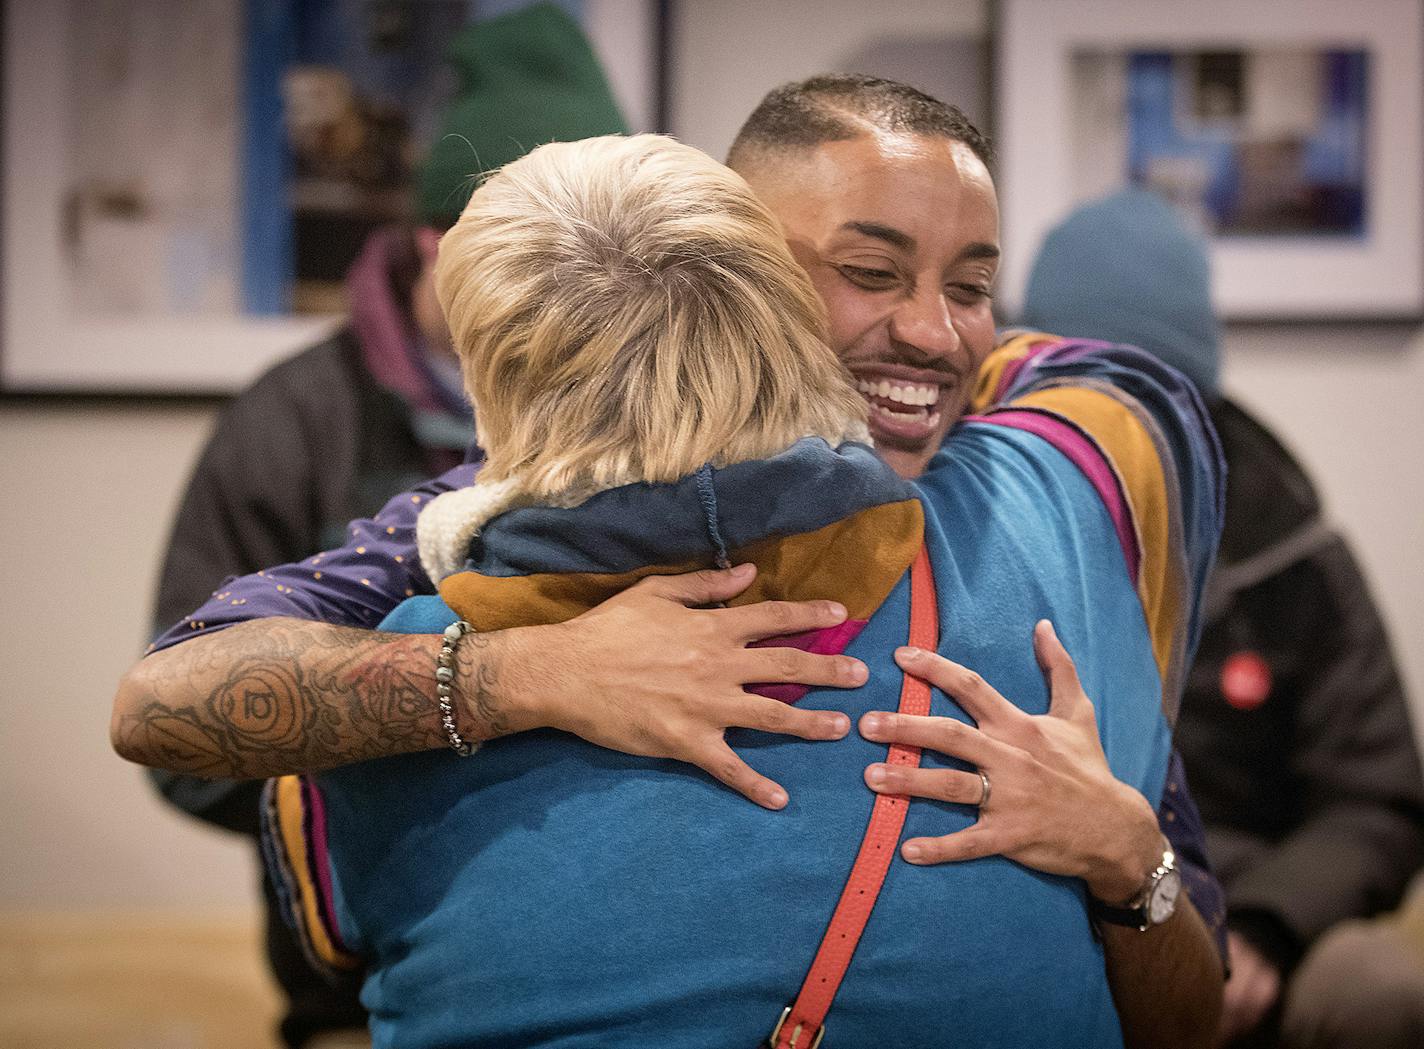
(899, 233)
(885, 198)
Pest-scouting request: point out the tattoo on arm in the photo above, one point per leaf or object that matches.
(479, 683)
(277, 696)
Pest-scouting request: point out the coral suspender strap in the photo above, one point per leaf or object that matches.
(802, 1023)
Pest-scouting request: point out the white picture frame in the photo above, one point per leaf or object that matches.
(48, 344)
(1379, 275)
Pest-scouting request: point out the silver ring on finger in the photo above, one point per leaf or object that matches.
(984, 782)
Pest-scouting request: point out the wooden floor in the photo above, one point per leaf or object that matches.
(134, 980)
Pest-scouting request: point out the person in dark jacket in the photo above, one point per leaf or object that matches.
(1294, 726)
(329, 435)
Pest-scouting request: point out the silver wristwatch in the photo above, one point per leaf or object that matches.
(1154, 903)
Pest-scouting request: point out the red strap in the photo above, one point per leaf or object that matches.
(801, 1024)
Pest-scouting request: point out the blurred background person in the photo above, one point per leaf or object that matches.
(1294, 726)
(332, 433)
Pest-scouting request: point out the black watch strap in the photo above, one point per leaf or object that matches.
(1140, 915)
(1132, 917)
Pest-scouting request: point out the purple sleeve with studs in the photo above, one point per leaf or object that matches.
(355, 585)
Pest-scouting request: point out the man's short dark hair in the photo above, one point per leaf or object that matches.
(837, 107)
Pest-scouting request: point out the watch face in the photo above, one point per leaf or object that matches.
(1163, 900)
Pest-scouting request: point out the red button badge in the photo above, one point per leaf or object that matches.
(1245, 680)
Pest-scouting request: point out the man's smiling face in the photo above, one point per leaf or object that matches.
(900, 234)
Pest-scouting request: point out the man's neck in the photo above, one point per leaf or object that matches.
(907, 464)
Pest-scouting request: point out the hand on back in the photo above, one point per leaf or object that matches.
(654, 672)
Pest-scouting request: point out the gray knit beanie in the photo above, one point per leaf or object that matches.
(1126, 269)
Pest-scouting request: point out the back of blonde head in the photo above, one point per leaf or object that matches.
(626, 310)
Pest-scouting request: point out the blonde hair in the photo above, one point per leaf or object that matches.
(626, 310)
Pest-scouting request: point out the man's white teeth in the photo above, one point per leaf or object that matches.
(921, 415)
(916, 394)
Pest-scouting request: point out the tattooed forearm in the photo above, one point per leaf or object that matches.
(479, 685)
(281, 695)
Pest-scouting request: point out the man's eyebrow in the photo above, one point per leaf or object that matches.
(905, 242)
(980, 250)
(889, 234)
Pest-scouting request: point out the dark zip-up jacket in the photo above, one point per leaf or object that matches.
(1294, 725)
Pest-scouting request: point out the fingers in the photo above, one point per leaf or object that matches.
(771, 715)
(1252, 989)
(1246, 1003)
(706, 587)
(1066, 695)
(945, 735)
(767, 715)
(750, 622)
(968, 844)
(980, 700)
(779, 665)
(962, 788)
(774, 618)
(723, 764)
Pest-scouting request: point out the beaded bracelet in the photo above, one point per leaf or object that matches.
(444, 677)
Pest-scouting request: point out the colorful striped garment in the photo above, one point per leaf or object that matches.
(548, 892)
(1082, 397)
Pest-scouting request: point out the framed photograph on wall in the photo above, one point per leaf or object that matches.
(185, 185)
(1292, 135)
(124, 202)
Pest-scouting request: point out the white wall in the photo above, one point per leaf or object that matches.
(89, 492)
(729, 53)
(623, 36)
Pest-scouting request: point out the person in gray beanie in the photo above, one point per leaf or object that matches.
(1125, 269)
(1294, 726)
